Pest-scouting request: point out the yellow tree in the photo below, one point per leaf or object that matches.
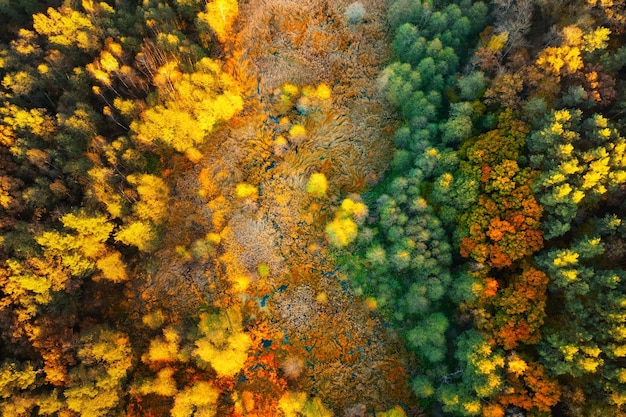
(187, 114)
(224, 345)
(67, 28)
(220, 16)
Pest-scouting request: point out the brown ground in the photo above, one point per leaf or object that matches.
(350, 357)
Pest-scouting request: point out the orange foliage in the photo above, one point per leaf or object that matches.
(533, 390)
(491, 287)
(467, 246)
(504, 225)
(497, 229)
(519, 309)
(497, 258)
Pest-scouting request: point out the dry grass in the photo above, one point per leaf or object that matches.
(355, 360)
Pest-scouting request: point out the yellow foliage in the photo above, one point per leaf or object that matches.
(263, 270)
(240, 283)
(570, 167)
(15, 377)
(566, 257)
(291, 403)
(353, 208)
(163, 348)
(572, 35)
(224, 345)
(194, 155)
(317, 185)
(570, 274)
(517, 365)
(228, 361)
(140, 234)
(321, 298)
(566, 149)
(490, 386)
(445, 180)
(568, 352)
(104, 192)
(341, 232)
(577, 196)
(290, 90)
(619, 351)
(498, 42)
(472, 407)
(557, 60)
(191, 106)
(66, 27)
(597, 39)
(198, 401)
(297, 131)
(153, 193)
(618, 332)
(243, 190)
(590, 364)
(164, 384)
(323, 92)
(562, 191)
(344, 226)
(112, 267)
(213, 238)
(314, 408)
(108, 62)
(220, 16)
(396, 411)
(97, 227)
(619, 399)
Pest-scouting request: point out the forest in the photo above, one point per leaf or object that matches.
(312, 208)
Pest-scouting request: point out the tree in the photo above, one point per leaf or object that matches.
(67, 28)
(198, 400)
(481, 372)
(580, 160)
(220, 16)
(194, 104)
(95, 387)
(153, 204)
(223, 345)
(504, 226)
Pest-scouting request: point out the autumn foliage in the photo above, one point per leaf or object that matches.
(312, 208)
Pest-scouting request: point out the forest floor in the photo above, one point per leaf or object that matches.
(267, 252)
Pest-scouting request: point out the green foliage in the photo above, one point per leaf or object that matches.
(587, 335)
(404, 262)
(405, 268)
(581, 160)
(480, 372)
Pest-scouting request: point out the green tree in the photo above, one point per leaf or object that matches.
(580, 160)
